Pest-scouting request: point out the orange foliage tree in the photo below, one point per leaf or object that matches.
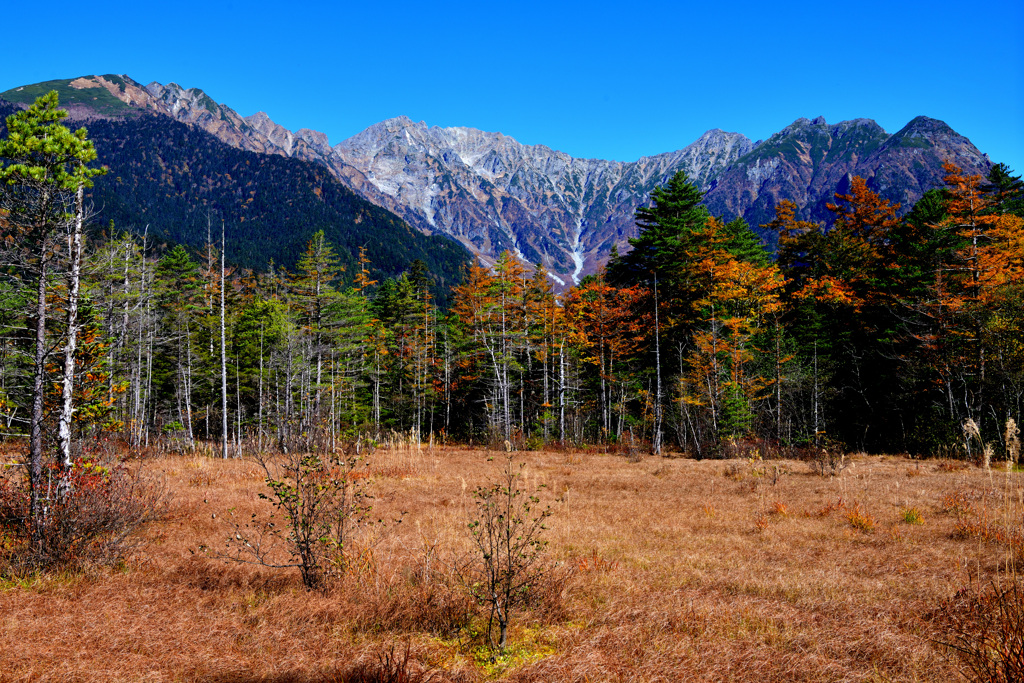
(489, 306)
(609, 326)
(738, 298)
(971, 291)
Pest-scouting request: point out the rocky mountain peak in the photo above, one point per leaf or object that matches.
(369, 141)
(492, 193)
(260, 120)
(844, 127)
(315, 139)
(923, 133)
(275, 134)
(925, 123)
(798, 125)
(924, 128)
(183, 102)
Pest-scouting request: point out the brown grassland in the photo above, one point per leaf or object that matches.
(666, 569)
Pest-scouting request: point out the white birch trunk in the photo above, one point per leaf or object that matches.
(70, 345)
(223, 354)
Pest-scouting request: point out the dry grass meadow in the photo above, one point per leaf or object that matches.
(661, 570)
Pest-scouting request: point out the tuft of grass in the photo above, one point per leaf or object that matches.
(830, 507)
(860, 520)
(957, 503)
(734, 471)
(595, 563)
(911, 515)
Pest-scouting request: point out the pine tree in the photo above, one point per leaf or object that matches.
(43, 185)
(315, 296)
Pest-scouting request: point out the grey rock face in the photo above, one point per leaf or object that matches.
(493, 194)
(809, 161)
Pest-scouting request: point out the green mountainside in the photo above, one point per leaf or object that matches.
(97, 99)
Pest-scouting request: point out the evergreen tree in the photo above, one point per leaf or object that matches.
(43, 182)
(1005, 190)
(665, 231)
(179, 306)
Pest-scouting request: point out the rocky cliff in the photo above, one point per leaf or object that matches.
(493, 194)
(809, 161)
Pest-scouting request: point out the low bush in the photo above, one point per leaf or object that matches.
(97, 521)
(983, 629)
(320, 500)
(507, 531)
(911, 515)
(860, 520)
(828, 462)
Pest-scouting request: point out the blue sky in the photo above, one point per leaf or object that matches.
(613, 80)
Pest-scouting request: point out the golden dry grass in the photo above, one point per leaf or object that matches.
(663, 570)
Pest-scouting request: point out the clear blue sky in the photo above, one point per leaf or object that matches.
(613, 80)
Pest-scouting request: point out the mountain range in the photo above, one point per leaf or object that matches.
(491, 193)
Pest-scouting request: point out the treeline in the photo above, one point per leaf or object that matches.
(877, 332)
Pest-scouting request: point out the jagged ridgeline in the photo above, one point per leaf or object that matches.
(176, 179)
(491, 193)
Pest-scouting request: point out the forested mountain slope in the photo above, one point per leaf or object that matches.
(178, 182)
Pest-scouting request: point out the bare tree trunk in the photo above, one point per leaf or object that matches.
(657, 356)
(138, 407)
(223, 354)
(189, 433)
(148, 394)
(561, 391)
(778, 383)
(259, 420)
(817, 424)
(68, 386)
(238, 410)
(38, 394)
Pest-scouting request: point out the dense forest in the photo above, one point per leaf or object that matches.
(873, 333)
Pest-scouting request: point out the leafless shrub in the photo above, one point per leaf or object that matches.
(828, 462)
(387, 665)
(390, 666)
(629, 445)
(95, 522)
(506, 531)
(751, 449)
(320, 500)
(735, 471)
(984, 630)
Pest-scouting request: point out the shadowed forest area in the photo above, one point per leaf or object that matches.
(293, 478)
